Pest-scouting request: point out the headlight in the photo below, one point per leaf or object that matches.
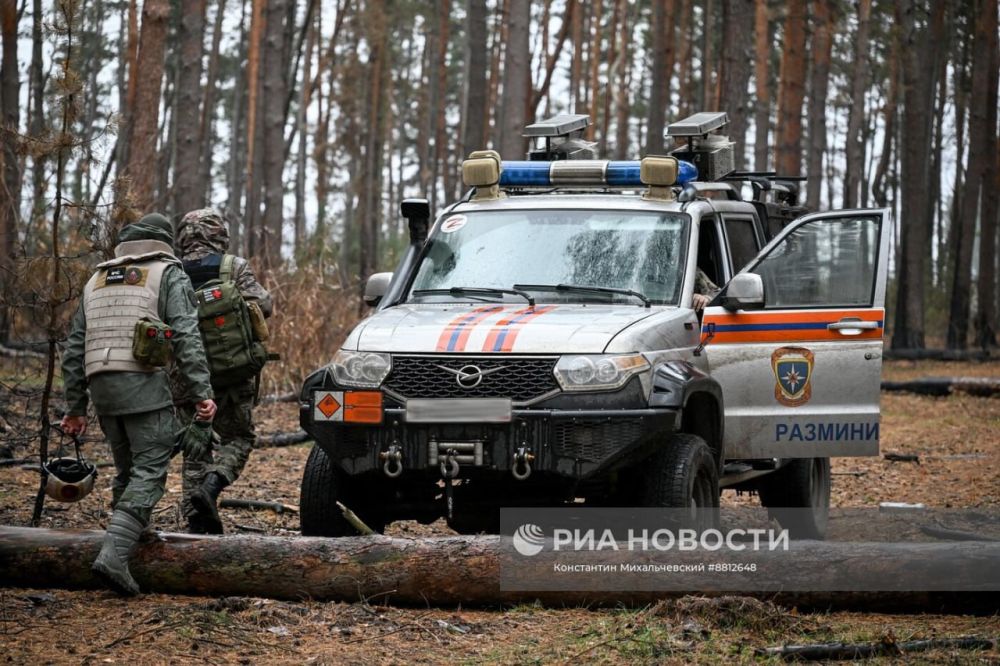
(596, 372)
(360, 369)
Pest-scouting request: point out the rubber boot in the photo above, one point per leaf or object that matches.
(204, 499)
(120, 541)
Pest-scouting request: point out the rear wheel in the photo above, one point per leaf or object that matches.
(798, 496)
(323, 485)
(684, 475)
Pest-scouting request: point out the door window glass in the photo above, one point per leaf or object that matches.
(742, 241)
(827, 262)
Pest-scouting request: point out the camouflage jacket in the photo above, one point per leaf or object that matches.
(245, 279)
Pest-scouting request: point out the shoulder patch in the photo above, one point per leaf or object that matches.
(135, 275)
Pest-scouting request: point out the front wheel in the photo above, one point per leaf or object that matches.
(323, 485)
(798, 496)
(684, 474)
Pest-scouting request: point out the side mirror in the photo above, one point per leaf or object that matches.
(376, 287)
(744, 292)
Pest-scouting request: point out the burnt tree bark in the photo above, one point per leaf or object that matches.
(467, 570)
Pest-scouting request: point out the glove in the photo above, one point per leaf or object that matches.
(195, 440)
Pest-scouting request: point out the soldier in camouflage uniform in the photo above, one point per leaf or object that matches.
(704, 290)
(132, 399)
(202, 241)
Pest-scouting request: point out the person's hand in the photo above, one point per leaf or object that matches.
(205, 410)
(699, 301)
(74, 425)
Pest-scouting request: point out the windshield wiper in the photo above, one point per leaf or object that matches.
(584, 289)
(461, 291)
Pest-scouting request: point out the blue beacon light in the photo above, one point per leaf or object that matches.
(618, 173)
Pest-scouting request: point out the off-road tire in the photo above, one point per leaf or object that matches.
(683, 474)
(323, 485)
(802, 483)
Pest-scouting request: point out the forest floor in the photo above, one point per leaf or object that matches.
(956, 438)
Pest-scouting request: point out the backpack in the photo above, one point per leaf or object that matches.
(234, 352)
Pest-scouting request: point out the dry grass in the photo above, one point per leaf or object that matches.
(313, 314)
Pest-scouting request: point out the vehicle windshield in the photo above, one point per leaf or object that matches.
(628, 252)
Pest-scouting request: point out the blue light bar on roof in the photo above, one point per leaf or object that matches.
(583, 172)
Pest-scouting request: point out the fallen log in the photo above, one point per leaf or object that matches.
(936, 355)
(460, 570)
(944, 386)
(282, 439)
(237, 503)
(851, 651)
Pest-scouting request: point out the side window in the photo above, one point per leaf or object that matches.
(709, 258)
(828, 262)
(743, 244)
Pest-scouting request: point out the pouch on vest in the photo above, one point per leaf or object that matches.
(234, 355)
(151, 342)
(260, 331)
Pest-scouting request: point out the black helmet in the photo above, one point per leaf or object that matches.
(69, 479)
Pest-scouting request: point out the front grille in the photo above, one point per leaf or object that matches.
(593, 440)
(520, 379)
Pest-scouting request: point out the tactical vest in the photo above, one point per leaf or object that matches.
(121, 292)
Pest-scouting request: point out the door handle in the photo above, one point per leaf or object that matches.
(852, 326)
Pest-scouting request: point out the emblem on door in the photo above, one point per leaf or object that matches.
(793, 367)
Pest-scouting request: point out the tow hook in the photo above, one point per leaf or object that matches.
(393, 458)
(449, 464)
(522, 464)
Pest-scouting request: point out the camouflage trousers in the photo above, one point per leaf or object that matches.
(141, 445)
(234, 425)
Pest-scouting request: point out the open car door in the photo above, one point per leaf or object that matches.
(800, 368)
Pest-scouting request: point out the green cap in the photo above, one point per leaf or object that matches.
(151, 227)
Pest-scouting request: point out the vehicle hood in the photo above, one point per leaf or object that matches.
(494, 328)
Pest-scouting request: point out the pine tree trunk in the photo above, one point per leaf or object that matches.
(734, 70)
(624, 68)
(273, 91)
(474, 116)
(593, 88)
(685, 81)
(148, 76)
(661, 73)
(441, 147)
(497, 51)
(791, 91)
(300, 156)
(206, 131)
(516, 80)
(187, 171)
(762, 69)
(37, 117)
(986, 315)
(10, 201)
(707, 93)
(611, 58)
(889, 131)
(238, 132)
(129, 90)
(552, 59)
(825, 25)
(576, 64)
(856, 106)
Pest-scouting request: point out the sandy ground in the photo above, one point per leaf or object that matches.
(957, 440)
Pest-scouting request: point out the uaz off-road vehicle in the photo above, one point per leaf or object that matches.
(538, 344)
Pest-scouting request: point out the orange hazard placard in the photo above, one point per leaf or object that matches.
(328, 406)
(363, 406)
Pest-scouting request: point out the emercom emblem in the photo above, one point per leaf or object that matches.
(792, 368)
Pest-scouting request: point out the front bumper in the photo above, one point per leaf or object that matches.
(570, 436)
